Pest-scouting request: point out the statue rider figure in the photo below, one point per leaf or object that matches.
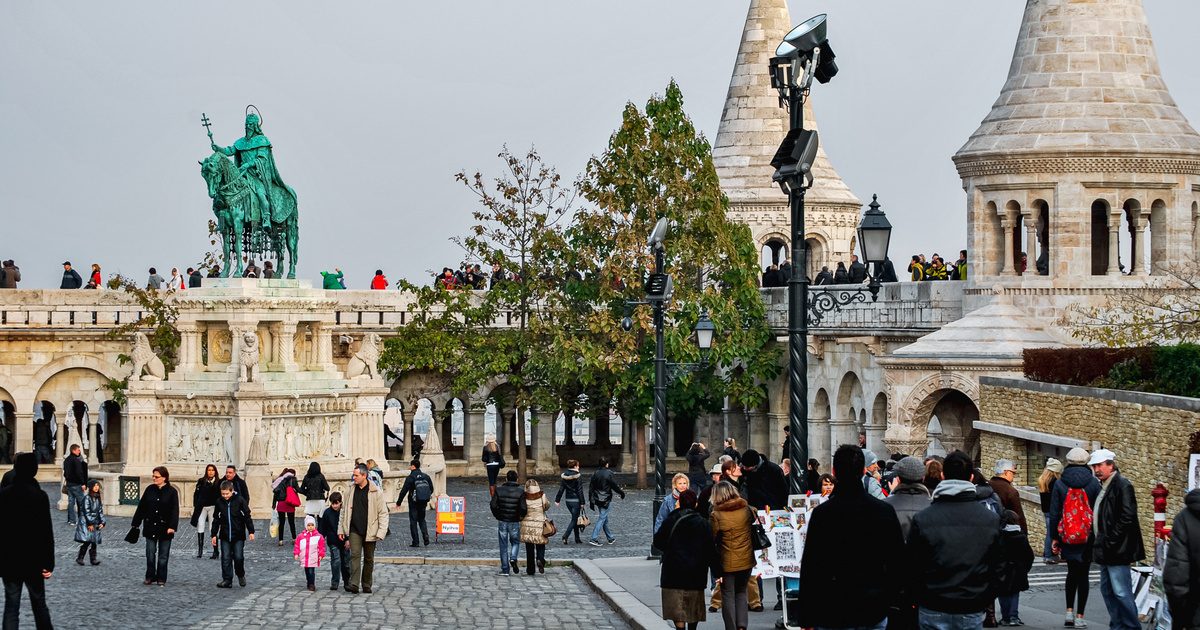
(254, 159)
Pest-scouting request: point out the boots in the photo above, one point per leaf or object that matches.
(92, 555)
(199, 545)
(214, 555)
(491, 491)
(82, 550)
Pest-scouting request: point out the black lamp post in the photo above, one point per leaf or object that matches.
(804, 55)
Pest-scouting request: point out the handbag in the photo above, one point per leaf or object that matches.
(292, 498)
(548, 528)
(583, 521)
(132, 536)
(758, 536)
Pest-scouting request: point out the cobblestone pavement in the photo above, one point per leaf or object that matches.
(111, 595)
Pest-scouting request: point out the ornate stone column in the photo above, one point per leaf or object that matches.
(407, 418)
(1006, 231)
(323, 338)
(287, 347)
(22, 432)
(1114, 243)
(1031, 241)
(1137, 266)
(190, 360)
(472, 436)
(63, 436)
(93, 436)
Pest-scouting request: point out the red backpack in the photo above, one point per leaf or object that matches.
(1076, 523)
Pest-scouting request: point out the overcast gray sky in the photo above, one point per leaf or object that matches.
(373, 106)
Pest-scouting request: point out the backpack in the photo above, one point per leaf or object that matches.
(422, 487)
(1076, 522)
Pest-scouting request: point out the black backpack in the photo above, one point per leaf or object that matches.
(422, 487)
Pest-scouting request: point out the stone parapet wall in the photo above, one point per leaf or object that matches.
(1148, 432)
(902, 306)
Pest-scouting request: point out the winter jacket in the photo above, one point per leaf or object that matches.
(279, 493)
(1044, 499)
(155, 282)
(570, 486)
(954, 551)
(765, 485)
(508, 504)
(310, 547)
(986, 496)
(11, 276)
(696, 457)
(90, 513)
(532, 523)
(601, 488)
(840, 276)
(231, 519)
(75, 470)
(1074, 476)
(917, 271)
(25, 524)
(858, 272)
(314, 486)
(1120, 536)
(730, 523)
(377, 513)
(852, 561)
(1181, 573)
(492, 458)
(1016, 558)
(873, 487)
(908, 499)
(732, 453)
(71, 280)
(195, 280)
(327, 525)
(206, 493)
(331, 281)
(157, 512)
(409, 489)
(1010, 499)
(665, 509)
(379, 282)
(688, 554)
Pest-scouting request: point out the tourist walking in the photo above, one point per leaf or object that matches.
(1118, 541)
(508, 506)
(314, 488)
(534, 526)
(909, 496)
(1006, 493)
(95, 281)
(309, 549)
(29, 536)
(339, 549)
(600, 493)
(154, 282)
(176, 281)
(688, 555)
(872, 478)
(571, 486)
(286, 497)
(679, 483)
(204, 502)
(1016, 560)
(1181, 573)
(1045, 485)
(731, 521)
(232, 525)
(765, 487)
(850, 536)
(364, 523)
(1071, 529)
(696, 456)
(158, 516)
(375, 473)
(954, 550)
(239, 484)
(704, 501)
(70, 277)
(91, 521)
(75, 478)
(379, 282)
(10, 275)
(418, 487)
(492, 462)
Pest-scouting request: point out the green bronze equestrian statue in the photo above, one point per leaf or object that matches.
(255, 209)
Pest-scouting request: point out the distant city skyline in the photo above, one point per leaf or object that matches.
(372, 111)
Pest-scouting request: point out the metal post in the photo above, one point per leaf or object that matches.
(798, 322)
(659, 416)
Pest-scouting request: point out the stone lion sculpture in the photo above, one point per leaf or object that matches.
(144, 360)
(365, 362)
(248, 365)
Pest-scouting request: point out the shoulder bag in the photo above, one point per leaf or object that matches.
(758, 536)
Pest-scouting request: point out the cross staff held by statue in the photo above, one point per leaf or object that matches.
(207, 125)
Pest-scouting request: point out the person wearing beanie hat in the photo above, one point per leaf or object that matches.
(909, 495)
(1075, 477)
(1045, 485)
(309, 549)
(26, 521)
(872, 479)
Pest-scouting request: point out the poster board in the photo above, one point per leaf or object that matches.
(451, 517)
(1193, 472)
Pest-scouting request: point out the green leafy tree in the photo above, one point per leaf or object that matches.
(157, 321)
(472, 337)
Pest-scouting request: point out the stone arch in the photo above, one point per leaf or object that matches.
(1099, 241)
(1016, 232)
(819, 429)
(1158, 237)
(817, 250)
(1041, 217)
(106, 369)
(849, 400)
(1130, 259)
(994, 242)
(774, 247)
(877, 425)
(909, 433)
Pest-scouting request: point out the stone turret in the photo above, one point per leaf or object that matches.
(752, 126)
(1081, 153)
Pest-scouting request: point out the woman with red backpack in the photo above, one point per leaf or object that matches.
(1071, 503)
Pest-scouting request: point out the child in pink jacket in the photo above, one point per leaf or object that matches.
(309, 550)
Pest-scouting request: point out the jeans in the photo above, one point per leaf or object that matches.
(1116, 586)
(1047, 546)
(158, 553)
(416, 517)
(339, 561)
(74, 501)
(233, 559)
(601, 523)
(310, 576)
(510, 543)
(574, 507)
(1010, 606)
(362, 559)
(734, 609)
(493, 471)
(935, 620)
(36, 586)
(533, 551)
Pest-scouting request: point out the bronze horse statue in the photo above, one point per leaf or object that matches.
(238, 209)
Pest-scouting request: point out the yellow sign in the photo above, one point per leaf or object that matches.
(451, 517)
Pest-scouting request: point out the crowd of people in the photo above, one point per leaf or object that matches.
(935, 268)
(856, 272)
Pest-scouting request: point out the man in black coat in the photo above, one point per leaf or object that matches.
(70, 277)
(600, 494)
(75, 477)
(26, 528)
(853, 556)
(858, 271)
(509, 508)
(1118, 540)
(1181, 573)
(418, 487)
(954, 551)
(239, 484)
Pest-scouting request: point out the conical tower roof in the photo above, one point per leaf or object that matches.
(1084, 78)
(753, 124)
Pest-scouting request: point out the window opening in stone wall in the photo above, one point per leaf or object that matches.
(1128, 257)
(994, 243)
(816, 257)
(1042, 262)
(1031, 461)
(773, 252)
(1157, 258)
(1016, 232)
(8, 416)
(393, 421)
(1100, 248)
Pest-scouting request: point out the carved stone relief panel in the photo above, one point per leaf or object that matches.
(199, 440)
(305, 437)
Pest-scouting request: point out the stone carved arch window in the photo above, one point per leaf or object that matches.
(817, 253)
(1158, 237)
(1099, 242)
(1131, 239)
(773, 252)
(1015, 231)
(995, 244)
(1041, 216)
(819, 415)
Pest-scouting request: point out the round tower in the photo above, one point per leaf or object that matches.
(1085, 176)
(752, 126)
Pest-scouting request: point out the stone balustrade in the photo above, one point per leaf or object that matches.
(916, 307)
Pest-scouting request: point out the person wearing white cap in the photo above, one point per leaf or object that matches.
(1118, 540)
